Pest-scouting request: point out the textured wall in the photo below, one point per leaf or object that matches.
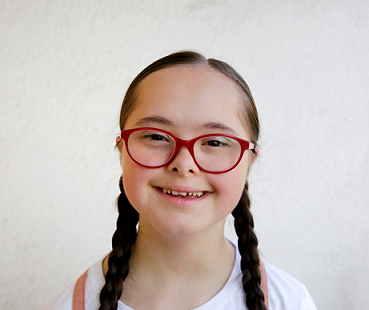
(64, 68)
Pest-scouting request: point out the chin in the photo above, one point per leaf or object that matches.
(181, 227)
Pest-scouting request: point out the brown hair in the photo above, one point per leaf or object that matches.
(125, 234)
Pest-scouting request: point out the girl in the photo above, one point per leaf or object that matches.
(189, 136)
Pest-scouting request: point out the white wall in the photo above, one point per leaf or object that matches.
(64, 69)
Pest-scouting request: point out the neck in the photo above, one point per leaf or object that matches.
(179, 272)
(187, 257)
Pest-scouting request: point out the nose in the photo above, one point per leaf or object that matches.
(183, 163)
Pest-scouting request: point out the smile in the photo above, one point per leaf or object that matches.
(182, 194)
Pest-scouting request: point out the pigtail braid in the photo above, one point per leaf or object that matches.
(247, 244)
(123, 238)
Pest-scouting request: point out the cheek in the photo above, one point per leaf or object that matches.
(135, 180)
(229, 188)
(233, 182)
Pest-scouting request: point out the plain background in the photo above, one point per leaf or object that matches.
(64, 69)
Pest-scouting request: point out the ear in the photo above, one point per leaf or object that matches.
(254, 155)
(118, 143)
(117, 140)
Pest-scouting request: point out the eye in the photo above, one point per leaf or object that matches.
(214, 143)
(156, 137)
(151, 137)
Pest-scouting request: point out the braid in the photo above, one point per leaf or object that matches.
(247, 244)
(123, 238)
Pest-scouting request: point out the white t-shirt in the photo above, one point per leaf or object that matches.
(285, 292)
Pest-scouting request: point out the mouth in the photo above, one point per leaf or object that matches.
(188, 195)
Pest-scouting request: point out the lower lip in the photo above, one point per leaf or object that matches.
(183, 202)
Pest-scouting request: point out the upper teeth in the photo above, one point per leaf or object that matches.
(175, 193)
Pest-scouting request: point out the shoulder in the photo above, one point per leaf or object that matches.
(61, 301)
(286, 292)
(94, 282)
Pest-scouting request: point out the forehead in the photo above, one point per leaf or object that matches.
(195, 78)
(189, 95)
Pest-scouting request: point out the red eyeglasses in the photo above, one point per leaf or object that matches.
(154, 148)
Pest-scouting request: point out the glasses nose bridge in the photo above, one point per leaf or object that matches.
(187, 144)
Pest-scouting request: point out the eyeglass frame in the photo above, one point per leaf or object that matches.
(245, 145)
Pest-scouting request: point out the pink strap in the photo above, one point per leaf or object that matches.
(79, 293)
(264, 284)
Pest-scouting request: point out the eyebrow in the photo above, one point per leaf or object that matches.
(220, 126)
(156, 119)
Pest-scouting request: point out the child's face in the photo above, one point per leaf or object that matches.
(187, 101)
